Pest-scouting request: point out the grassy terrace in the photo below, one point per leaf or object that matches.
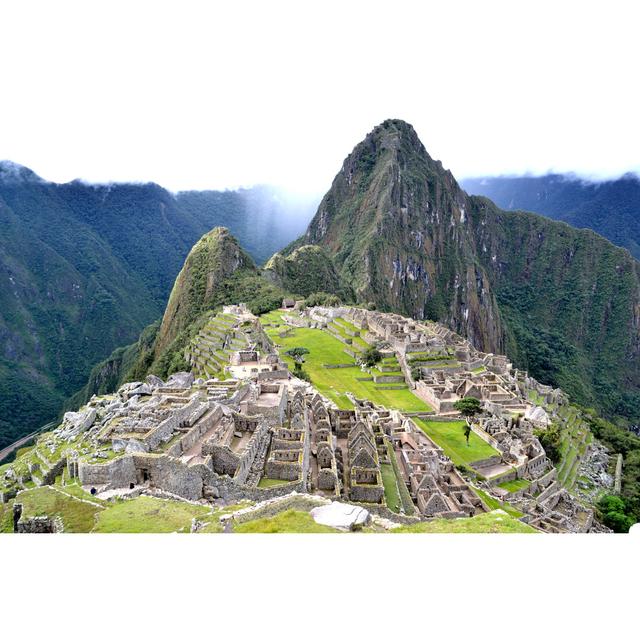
(77, 516)
(334, 383)
(494, 503)
(514, 485)
(450, 437)
(265, 483)
(492, 522)
(575, 438)
(342, 325)
(286, 522)
(148, 515)
(391, 494)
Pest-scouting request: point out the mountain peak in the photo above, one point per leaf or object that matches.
(14, 173)
(215, 258)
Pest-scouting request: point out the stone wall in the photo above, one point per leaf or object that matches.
(117, 473)
(187, 415)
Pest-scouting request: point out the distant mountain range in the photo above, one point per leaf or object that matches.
(611, 208)
(83, 268)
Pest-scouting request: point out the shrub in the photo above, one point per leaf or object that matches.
(322, 299)
(371, 356)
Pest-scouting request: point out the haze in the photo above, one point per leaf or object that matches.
(196, 96)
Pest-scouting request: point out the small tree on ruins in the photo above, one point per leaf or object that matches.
(468, 407)
(298, 354)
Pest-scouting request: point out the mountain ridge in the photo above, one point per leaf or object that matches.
(609, 207)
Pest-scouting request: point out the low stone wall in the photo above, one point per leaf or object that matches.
(274, 506)
(339, 366)
(39, 524)
(278, 374)
(483, 435)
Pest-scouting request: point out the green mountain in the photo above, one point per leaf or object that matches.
(563, 303)
(86, 267)
(610, 207)
(216, 272)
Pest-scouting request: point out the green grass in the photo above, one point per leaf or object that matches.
(265, 483)
(334, 383)
(450, 436)
(148, 515)
(405, 496)
(77, 516)
(390, 487)
(6, 517)
(514, 485)
(290, 521)
(74, 489)
(494, 503)
(492, 522)
(213, 524)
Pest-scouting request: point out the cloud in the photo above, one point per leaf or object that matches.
(198, 95)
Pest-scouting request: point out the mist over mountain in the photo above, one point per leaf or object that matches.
(610, 207)
(83, 268)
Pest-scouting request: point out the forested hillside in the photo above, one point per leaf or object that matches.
(611, 208)
(85, 267)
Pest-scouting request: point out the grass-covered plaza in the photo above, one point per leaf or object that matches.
(325, 349)
(450, 436)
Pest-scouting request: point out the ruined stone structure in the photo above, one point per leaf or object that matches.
(263, 434)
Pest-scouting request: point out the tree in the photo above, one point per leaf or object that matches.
(550, 441)
(613, 511)
(371, 356)
(468, 407)
(322, 299)
(297, 353)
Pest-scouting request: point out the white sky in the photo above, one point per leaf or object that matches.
(214, 95)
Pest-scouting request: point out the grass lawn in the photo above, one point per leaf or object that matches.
(450, 436)
(492, 522)
(290, 521)
(6, 517)
(494, 503)
(390, 487)
(75, 489)
(77, 516)
(334, 383)
(514, 485)
(148, 515)
(271, 482)
(213, 524)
